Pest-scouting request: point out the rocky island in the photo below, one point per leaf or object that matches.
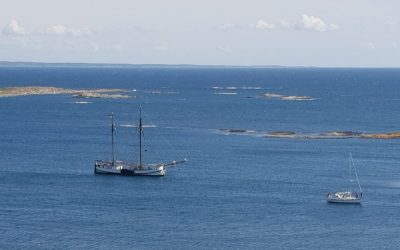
(300, 135)
(86, 93)
(390, 135)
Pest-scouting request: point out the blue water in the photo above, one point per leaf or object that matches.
(235, 191)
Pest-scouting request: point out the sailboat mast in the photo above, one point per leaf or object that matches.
(112, 138)
(140, 136)
(355, 172)
(351, 159)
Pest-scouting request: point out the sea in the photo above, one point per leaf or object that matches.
(236, 190)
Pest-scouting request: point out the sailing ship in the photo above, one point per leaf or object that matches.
(130, 169)
(347, 197)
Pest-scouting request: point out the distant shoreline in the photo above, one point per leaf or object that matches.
(5, 64)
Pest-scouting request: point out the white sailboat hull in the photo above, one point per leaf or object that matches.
(344, 197)
(106, 167)
(144, 170)
(121, 168)
(355, 201)
(100, 170)
(155, 171)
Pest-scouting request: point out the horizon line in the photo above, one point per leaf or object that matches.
(178, 65)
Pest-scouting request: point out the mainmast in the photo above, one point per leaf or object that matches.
(140, 136)
(350, 163)
(112, 138)
(355, 172)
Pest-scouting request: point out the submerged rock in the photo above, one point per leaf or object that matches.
(341, 134)
(98, 95)
(297, 98)
(281, 134)
(233, 130)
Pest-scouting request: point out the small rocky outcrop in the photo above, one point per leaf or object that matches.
(288, 97)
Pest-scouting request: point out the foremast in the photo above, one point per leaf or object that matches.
(112, 138)
(140, 137)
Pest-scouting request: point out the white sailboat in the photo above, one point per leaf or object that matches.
(347, 197)
(124, 168)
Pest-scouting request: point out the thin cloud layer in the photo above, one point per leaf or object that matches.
(15, 29)
(263, 25)
(63, 30)
(307, 23)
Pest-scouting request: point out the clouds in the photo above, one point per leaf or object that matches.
(263, 33)
(306, 23)
(16, 29)
(13, 29)
(263, 25)
(314, 24)
(228, 26)
(61, 30)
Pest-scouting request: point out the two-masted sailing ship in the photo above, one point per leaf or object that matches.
(125, 168)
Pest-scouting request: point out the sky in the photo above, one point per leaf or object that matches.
(324, 33)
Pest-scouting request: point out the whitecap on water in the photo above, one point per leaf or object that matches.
(81, 102)
(225, 93)
(236, 88)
